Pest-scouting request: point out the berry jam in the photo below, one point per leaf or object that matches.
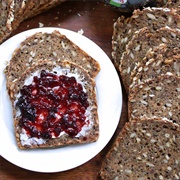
(52, 104)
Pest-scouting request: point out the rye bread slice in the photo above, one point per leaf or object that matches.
(158, 97)
(175, 4)
(124, 28)
(142, 42)
(44, 6)
(146, 149)
(53, 46)
(160, 60)
(4, 15)
(89, 132)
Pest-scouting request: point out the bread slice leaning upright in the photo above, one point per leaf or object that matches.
(54, 104)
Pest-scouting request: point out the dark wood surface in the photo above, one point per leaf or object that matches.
(96, 19)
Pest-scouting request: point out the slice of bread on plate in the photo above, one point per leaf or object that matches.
(54, 104)
(52, 46)
(144, 149)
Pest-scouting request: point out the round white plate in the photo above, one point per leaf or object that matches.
(109, 96)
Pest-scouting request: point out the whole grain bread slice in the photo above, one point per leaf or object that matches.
(44, 5)
(53, 46)
(144, 149)
(89, 132)
(142, 42)
(13, 12)
(124, 28)
(4, 15)
(160, 60)
(161, 3)
(158, 97)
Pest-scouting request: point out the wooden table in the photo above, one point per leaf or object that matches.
(96, 19)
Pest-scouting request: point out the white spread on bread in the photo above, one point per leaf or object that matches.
(27, 140)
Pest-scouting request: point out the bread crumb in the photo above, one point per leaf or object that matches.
(41, 24)
(81, 31)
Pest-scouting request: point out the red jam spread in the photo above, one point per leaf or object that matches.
(52, 104)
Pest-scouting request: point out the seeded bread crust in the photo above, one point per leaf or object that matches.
(159, 97)
(143, 42)
(91, 134)
(124, 28)
(145, 149)
(53, 46)
(160, 60)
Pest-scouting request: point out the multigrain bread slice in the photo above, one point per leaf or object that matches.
(158, 97)
(145, 149)
(161, 3)
(160, 60)
(44, 6)
(53, 46)
(54, 113)
(143, 41)
(124, 28)
(13, 12)
(4, 15)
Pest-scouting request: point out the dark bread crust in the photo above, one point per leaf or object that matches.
(158, 97)
(124, 28)
(53, 46)
(91, 134)
(144, 149)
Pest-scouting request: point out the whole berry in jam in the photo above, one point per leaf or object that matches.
(52, 104)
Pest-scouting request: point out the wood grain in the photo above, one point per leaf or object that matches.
(96, 19)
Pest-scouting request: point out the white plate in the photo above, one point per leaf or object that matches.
(109, 95)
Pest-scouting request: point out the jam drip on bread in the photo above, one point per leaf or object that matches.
(52, 105)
